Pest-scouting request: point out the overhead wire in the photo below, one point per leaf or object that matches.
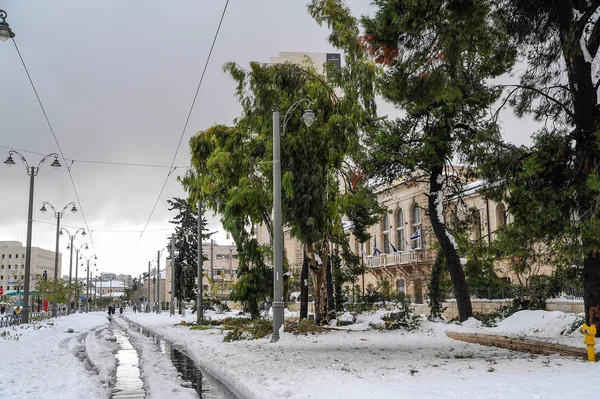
(55, 139)
(185, 125)
(97, 162)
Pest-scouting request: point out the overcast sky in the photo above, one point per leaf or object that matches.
(117, 79)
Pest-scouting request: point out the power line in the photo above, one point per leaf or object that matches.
(55, 139)
(102, 230)
(185, 126)
(97, 162)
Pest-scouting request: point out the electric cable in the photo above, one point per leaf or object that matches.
(185, 125)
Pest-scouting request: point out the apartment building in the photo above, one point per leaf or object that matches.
(12, 265)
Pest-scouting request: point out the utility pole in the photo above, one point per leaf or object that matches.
(212, 248)
(148, 297)
(159, 307)
(199, 310)
(172, 307)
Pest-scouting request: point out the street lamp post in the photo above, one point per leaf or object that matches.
(77, 268)
(200, 310)
(172, 306)
(159, 306)
(88, 279)
(308, 117)
(32, 171)
(70, 247)
(58, 216)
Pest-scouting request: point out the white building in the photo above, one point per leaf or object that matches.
(12, 265)
(316, 59)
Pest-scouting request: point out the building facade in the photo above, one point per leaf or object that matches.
(12, 265)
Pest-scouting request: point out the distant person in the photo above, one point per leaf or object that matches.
(2, 310)
(121, 310)
(134, 308)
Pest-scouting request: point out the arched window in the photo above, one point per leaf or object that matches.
(385, 234)
(416, 237)
(401, 239)
(500, 215)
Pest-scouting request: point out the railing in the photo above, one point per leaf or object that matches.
(399, 259)
(10, 320)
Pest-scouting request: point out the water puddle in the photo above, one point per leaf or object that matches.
(129, 385)
(206, 386)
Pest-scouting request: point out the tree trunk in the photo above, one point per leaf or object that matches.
(330, 301)
(304, 288)
(319, 283)
(591, 285)
(447, 244)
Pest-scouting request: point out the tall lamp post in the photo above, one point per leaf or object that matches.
(70, 247)
(77, 268)
(32, 171)
(89, 279)
(309, 118)
(199, 308)
(58, 216)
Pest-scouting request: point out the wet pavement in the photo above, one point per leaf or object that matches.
(129, 384)
(206, 386)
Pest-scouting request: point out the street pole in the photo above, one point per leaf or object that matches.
(159, 307)
(199, 310)
(54, 304)
(76, 280)
(172, 307)
(87, 297)
(25, 315)
(32, 171)
(277, 236)
(70, 274)
(147, 304)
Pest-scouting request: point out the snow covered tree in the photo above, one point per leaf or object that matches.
(554, 185)
(437, 57)
(186, 248)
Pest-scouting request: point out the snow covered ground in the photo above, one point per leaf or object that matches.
(353, 363)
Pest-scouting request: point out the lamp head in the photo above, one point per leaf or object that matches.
(74, 209)
(9, 161)
(86, 246)
(43, 209)
(309, 117)
(60, 233)
(5, 31)
(55, 164)
(83, 234)
(68, 246)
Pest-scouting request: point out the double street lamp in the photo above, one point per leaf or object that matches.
(32, 171)
(77, 268)
(58, 216)
(309, 118)
(70, 246)
(87, 284)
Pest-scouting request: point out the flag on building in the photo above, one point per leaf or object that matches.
(416, 235)
(393, 248)
(376, 251)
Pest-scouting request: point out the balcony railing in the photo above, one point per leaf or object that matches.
(399, 259)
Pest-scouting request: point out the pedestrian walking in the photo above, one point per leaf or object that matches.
(2, 310)
(134, 308)
(121, 310)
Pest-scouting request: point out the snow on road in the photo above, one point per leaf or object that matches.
(361, 364)
(47, 361)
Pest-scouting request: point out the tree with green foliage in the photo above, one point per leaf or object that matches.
(48, 291)
(233, 169)
(438, 57)
(186, 248)
(552, 188)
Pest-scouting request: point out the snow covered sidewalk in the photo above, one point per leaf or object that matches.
(42, 360)
(394, 364)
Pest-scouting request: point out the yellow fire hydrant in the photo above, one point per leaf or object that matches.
(589, 334)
